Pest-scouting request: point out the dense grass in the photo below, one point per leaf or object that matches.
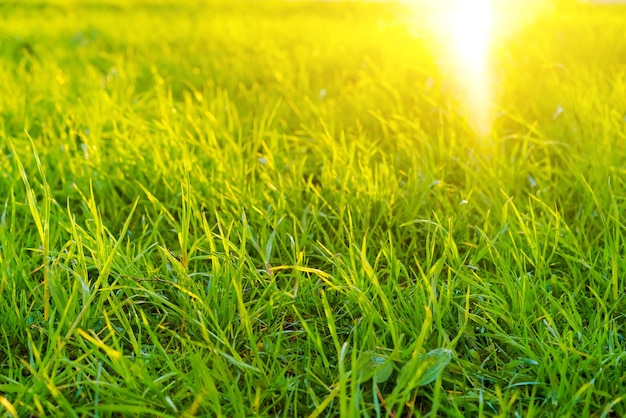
(279, 209)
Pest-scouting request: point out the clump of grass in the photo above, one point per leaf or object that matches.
(279, 210)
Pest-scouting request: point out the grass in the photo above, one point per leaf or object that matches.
(280, 209)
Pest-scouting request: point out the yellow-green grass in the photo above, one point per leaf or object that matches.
(280, 209)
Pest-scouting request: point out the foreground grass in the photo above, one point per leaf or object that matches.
(279, 209)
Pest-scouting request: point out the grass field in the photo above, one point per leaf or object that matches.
(282, 209)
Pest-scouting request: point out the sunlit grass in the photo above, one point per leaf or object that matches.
(283, 209)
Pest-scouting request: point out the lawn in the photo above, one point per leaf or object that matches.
(258, 208)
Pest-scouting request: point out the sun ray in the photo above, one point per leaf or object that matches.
(465, 32)
(469, 25)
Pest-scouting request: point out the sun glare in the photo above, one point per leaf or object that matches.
(464, 32)
(469, 27)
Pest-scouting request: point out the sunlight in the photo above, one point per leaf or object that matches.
(464, 33)
(469, 25)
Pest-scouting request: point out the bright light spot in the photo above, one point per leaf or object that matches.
(462, 31)
(469, 23)
(465, 33)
